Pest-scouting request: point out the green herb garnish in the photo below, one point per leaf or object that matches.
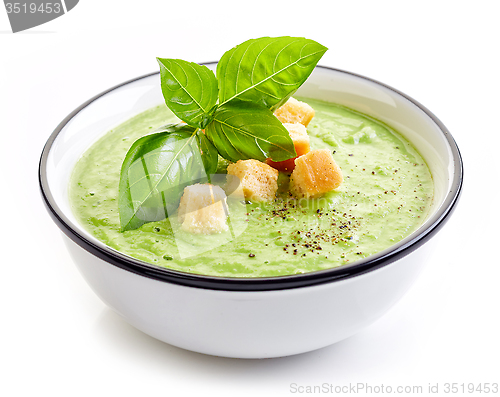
(230, 115)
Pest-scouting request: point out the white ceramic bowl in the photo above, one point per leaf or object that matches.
(260, 317)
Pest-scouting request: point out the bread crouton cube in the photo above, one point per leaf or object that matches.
(315, 174)
(294, 111)
(258, 181)
(203, 209)
(298, 133)
(300, 140)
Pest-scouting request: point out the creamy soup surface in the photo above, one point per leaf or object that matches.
(386, 195)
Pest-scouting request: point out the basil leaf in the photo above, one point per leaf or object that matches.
(244, 130)
(210, 156)
(155, 172)
(267, 70)
(189, 89)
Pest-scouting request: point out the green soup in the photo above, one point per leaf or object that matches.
(385, 196)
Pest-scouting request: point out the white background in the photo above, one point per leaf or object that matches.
(57, 338)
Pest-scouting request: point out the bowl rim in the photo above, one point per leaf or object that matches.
(362, 266)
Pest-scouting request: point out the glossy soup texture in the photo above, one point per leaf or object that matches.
(386, 195)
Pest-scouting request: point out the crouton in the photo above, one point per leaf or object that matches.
(300, 140)
(294, 111)
(203, 209)
(315, 173)
(258, 180)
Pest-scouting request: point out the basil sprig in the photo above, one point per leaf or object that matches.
(230, 115)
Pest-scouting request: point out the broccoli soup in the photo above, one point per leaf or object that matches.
(378, 191)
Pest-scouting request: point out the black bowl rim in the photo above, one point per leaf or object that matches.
(371, 263)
